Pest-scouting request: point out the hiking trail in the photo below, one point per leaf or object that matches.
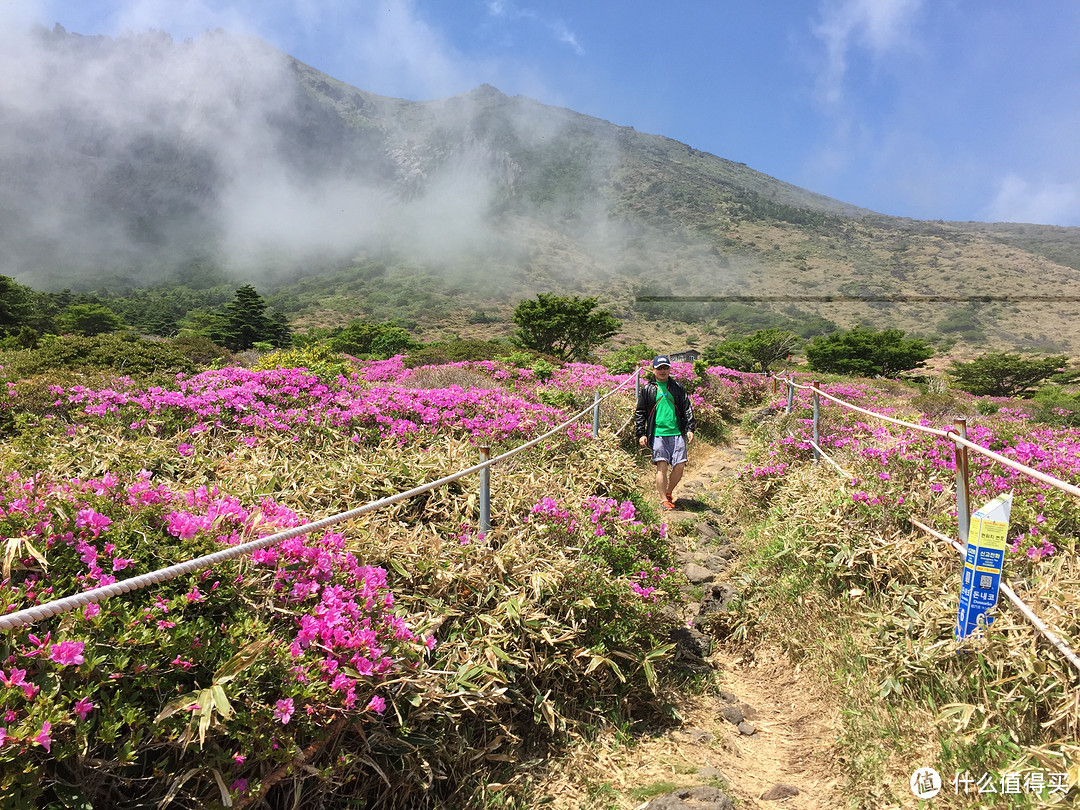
(766, 740)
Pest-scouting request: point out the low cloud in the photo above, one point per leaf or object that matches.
(122, 153)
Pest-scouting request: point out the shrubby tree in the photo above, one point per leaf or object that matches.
(16, 305)
(756, 352)
(625, 360)
(867, 352)
(1000, 374)
(89, 320)
(373, 339)
(563, 326)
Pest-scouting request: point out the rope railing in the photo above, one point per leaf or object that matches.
(1017, 602)
(36, 613)
(953, 435)
(962, 444)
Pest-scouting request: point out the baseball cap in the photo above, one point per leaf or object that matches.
(660, 360)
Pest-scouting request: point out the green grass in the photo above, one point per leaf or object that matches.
(652, 791)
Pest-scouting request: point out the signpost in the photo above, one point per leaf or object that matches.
(984, 556)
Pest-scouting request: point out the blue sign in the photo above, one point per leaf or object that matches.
(985, 555)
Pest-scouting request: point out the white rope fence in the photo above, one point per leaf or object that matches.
(959, 441)
(30, 615)
(1017, 602)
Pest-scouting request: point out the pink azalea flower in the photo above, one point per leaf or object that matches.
(91, 610)
(67, 652)
(185, 449)
(377, 704)
(83, 707)
(44, 737)
(283, 710)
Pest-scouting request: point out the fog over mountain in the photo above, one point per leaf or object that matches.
(132, 156)
(141, 151)
(139, 160)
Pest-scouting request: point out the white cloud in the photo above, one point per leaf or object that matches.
(1020, 200)
(505, 9)
(566, 35)
(879, 27)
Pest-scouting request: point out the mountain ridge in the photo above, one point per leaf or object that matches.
(131, 161)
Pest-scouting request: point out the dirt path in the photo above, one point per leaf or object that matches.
(788, 723)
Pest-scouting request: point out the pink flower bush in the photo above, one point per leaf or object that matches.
(900, 461)
(332, 627)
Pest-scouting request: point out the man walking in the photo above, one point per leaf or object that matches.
(664, 420)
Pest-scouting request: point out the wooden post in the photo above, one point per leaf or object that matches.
(963, 490)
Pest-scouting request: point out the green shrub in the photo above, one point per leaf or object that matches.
(543, 370)
(1057, 407)
(1001, 374)
(89, 319)
(121, 352)
(199, 349)
(756, 352)
(377, 340)
(626, 359)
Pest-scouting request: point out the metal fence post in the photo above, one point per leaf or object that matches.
(790, 397)
(596, 416)
(485, 491)
(963, 499)
(817, 421)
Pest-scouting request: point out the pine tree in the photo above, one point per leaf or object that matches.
(245, 322)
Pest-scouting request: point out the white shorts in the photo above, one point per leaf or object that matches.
(671, 449)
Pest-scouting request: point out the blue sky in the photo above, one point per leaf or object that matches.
(932, 109)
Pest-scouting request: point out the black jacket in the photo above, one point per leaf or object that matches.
(645, 414)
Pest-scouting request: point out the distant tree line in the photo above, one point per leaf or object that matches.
(27, 315)
(70, 330)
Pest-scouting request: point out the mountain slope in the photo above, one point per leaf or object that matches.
(131, 161)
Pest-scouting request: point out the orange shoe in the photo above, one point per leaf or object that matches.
(670, 497)
(668, 504)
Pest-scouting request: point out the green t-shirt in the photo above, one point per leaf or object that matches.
(667, 422)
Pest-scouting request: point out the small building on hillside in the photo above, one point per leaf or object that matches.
(688, 356)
